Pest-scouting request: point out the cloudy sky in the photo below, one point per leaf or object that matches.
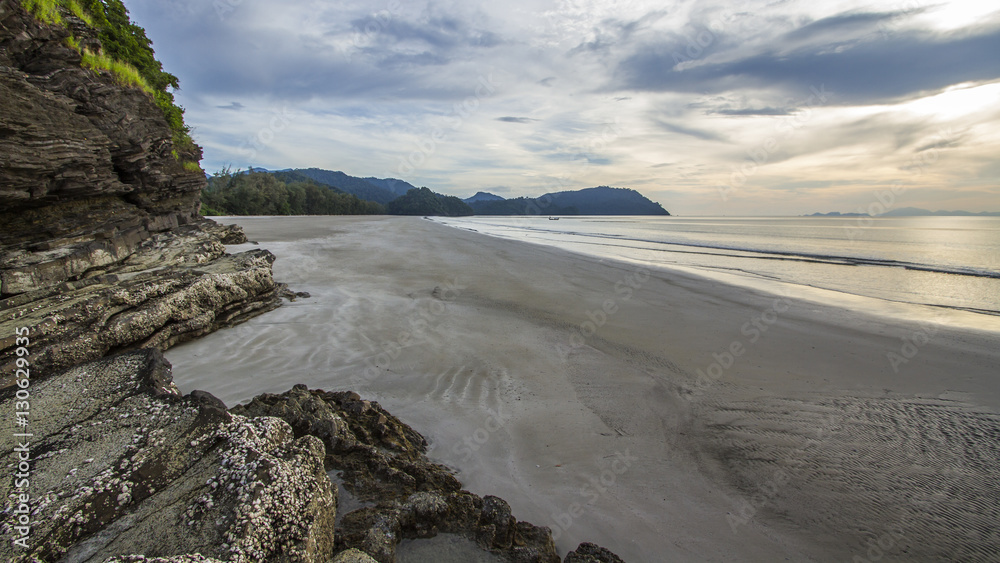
(708, 107)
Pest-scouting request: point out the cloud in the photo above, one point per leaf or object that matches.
(872, 71)
(510, 119)
(753, 111)
(689, 131)
(667, 99)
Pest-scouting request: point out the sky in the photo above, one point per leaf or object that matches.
(709, 108)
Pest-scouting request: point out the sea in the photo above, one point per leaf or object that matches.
(947, 268)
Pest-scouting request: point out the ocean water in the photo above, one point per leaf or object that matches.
(911, 266)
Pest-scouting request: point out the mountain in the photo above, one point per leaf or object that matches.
(521, 206)
(398, 187)
(605, 200)
(482, 196)
(601, 200)
(911, 212)
(278, 193)
(360, 187)
(917, 212)
(422, 201)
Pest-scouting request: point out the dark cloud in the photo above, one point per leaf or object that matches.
(897, 67)
(841, 24)
(614, 32)
(510, 119)
(753, 111)
(442, 34)
(235, 106)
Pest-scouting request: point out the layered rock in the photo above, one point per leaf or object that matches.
(121, 464)
(101, 246)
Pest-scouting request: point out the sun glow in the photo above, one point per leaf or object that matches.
(957, 101)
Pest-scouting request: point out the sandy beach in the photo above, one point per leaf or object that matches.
(660, 414)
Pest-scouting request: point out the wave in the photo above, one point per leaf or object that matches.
(784, 255)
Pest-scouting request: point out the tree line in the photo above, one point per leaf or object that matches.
(260, 193)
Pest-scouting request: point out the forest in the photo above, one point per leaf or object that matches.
(261, 193)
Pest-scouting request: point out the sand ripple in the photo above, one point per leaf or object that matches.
(909, 479)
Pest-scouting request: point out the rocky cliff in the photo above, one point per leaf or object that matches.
(101, 246)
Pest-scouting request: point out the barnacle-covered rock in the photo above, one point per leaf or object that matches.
(590, 553)
(382, 460)
(123, 465)
(353, 556)
(195, 558)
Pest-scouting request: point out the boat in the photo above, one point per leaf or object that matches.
(553, 218)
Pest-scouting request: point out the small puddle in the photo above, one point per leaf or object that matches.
(346, 502)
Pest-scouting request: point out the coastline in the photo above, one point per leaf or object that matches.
(602, 434)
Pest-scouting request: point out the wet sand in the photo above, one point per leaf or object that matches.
(660, 414)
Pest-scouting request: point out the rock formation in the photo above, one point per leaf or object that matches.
(124, 469)
(121, 464)
(101, 246)
(381, 460)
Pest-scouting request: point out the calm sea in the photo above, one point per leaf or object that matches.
(934, 263)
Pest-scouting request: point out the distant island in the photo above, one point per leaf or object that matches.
(314, 191)
(911, 212)
(602, 200)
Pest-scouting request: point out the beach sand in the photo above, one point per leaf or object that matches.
(662, 415)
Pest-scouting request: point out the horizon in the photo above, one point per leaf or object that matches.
(790, 109)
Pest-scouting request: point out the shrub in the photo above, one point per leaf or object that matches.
(124, 73)
(126, 52)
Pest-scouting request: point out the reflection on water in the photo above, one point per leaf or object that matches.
(949, 262)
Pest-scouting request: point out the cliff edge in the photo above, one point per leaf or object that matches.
(101, 245)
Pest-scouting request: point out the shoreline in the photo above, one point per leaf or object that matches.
(956, 316)
(499, 386)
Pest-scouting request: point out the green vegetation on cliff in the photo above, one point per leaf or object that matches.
(422, 201)
(260, 193)
(125, 51)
